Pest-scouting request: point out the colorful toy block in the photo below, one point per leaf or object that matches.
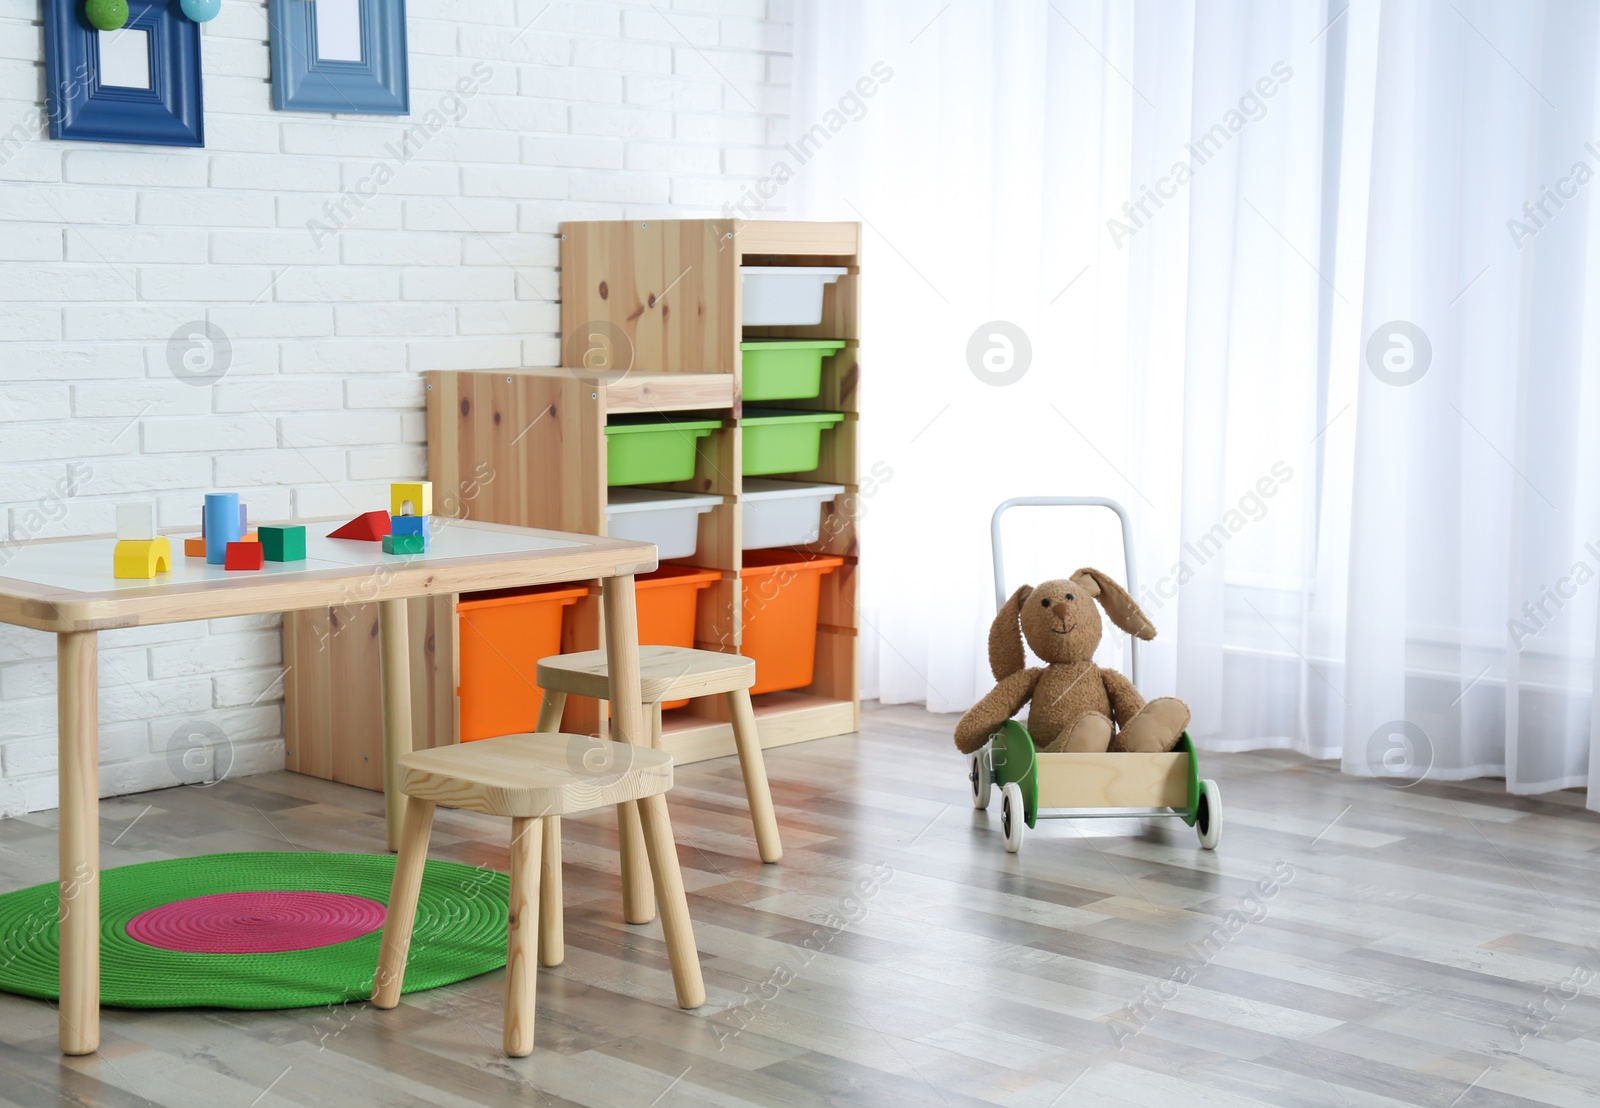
(244, 555)
(244, 519)
(194, 548)
(404, 544)
(284, 544)
(411, 498)
(368, 526)
(141, 558)
(136, 521)
(221, 525)
(410, 525)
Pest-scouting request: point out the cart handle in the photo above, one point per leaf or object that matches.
(1066, 502)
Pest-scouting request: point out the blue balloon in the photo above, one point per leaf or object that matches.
(201, 11)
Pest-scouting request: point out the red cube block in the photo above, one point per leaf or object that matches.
(244, 555)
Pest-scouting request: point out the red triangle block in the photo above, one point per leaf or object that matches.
(371, 526)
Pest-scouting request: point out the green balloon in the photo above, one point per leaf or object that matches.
(108, 15)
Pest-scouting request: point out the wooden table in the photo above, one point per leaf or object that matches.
(66, 586)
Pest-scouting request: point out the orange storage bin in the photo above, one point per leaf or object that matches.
(782, 590)
(503, 634)
(666, 602)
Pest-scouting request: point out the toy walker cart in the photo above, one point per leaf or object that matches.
(1118, 785)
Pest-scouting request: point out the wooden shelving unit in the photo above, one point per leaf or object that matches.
(653, 309)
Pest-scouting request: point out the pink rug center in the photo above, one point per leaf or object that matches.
(256, 923)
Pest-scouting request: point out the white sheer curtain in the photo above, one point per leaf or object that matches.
(1472, 600)
(1307, 287)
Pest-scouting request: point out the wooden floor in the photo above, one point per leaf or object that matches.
(1349, 943)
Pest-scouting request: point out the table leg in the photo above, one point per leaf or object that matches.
(627, 726)
(78, 734)
(394, 640)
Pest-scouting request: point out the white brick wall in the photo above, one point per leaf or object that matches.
(583, 109)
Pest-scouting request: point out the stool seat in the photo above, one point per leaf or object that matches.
(665, 673)
(535, 775)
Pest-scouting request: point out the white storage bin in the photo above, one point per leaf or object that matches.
(783, 513)
(785, 295)
(671, 520)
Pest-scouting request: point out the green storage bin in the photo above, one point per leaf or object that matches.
(651, 451)
(785, 369)
(779, 441)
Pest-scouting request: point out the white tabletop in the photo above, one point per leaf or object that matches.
(85, 565)
(68, 584)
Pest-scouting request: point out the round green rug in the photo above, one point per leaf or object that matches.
(289, 900)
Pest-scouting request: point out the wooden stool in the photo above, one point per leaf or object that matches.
(534, 779)
(666, 673)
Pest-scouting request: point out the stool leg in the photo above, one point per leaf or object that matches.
(552, 936)
(675, 925)
(638, 903)
(418, 822)
(550, 709)
(754, 767)
(522, 934)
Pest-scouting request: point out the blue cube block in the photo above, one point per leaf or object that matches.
(410, 525)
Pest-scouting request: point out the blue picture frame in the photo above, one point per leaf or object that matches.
(170, 112)
(379, 84)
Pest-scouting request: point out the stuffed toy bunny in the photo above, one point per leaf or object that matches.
(1076, 705)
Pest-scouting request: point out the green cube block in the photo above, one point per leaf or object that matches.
(282, 544)
(403, 544)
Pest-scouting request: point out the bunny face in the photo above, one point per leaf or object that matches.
(1061, 622)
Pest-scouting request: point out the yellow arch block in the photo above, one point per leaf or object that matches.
(411, 498)
(141, 558)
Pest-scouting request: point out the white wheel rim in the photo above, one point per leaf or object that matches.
(1011, 816)
(1211, 798)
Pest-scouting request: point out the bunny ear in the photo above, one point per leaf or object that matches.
(1005, 637)
(1116, 601)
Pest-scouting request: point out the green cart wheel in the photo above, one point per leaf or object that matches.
(1011, 757)
(1186, 746)
(1205, 799)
